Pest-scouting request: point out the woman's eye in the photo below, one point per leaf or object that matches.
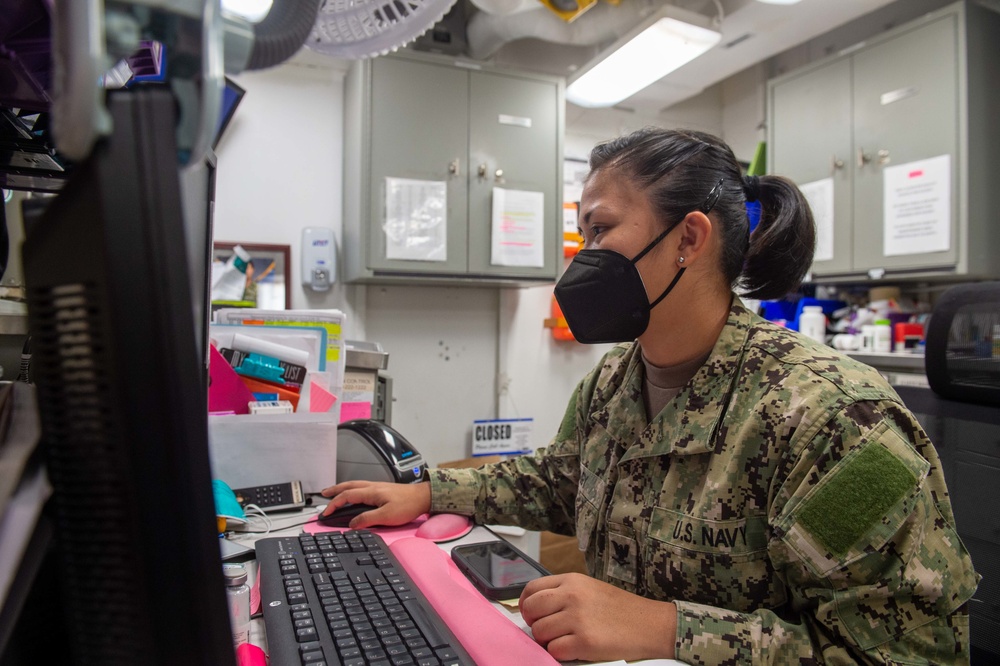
(596, 231)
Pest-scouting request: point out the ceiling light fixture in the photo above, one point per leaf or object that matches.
(251, 10)
(780, 2)
(666, 40)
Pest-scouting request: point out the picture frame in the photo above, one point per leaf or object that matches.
(269, 285)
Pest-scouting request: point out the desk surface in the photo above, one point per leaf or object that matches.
(290, 524)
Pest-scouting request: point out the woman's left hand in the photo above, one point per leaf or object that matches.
(578, 617)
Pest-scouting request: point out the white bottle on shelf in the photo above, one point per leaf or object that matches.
(883, 336)
(812, 323)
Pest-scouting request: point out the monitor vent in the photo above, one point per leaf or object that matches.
(87, 468)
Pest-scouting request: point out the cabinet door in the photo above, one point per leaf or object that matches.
(513, 132)
(810, 142)
(905, 109)
(419, 128)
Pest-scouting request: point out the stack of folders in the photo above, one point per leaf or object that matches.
(276, 376)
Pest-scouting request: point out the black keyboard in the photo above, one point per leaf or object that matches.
(343, 598)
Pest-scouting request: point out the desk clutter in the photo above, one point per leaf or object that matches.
(276, 361)
(275, 382)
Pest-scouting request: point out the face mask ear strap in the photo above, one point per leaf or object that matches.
(668, 289)
(656, 240)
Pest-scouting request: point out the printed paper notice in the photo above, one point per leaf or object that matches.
(502, 436)
(819, 194)
(917, 208)
(518, 228)
(416, 225)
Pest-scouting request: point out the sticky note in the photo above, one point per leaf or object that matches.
(320, 400)
(355, 410)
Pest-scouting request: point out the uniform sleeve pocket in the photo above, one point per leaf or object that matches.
(859, 505)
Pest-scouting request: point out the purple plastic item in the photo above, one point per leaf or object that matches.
(147, 61)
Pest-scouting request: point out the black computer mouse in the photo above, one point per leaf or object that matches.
(342, 516)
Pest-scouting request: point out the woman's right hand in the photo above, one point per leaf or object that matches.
(397, 503)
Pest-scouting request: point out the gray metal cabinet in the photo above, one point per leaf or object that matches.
(905, 109)
(812, 113)
(425, 118)
(921, 91)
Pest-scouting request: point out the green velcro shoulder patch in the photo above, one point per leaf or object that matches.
(856, 497)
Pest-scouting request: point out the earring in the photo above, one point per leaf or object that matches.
(680, 260)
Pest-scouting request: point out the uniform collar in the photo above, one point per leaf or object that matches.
(687, 425)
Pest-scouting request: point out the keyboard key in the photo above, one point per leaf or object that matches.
(312, 657)
(446, 655)
(305, 634)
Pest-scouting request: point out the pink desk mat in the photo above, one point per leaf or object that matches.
(490, 638)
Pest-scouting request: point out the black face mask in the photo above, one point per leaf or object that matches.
(602, 296)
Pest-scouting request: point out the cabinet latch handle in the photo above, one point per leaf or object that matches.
(453, 167)
(863, 158)
(883, 157)
(836, 163)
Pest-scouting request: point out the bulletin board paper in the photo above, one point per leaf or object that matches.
(416, 224)
(917, 207)
(518, 236)
(819, 194)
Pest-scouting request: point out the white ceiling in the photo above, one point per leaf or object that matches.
(752, 32)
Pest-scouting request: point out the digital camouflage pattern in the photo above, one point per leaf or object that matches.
(785, 500)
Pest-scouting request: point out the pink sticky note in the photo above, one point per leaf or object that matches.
(320, 400)
(355, 410)
(226, 391)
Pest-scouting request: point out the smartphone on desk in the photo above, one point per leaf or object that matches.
(497, 569)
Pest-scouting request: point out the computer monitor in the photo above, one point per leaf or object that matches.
(122, 398)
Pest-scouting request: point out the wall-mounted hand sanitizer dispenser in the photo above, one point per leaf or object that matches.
(318, 253)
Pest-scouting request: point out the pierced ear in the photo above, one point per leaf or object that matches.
(696, 230)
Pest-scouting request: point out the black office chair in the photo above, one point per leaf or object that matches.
(961, 414)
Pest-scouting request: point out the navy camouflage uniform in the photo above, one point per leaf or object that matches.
(785, 500)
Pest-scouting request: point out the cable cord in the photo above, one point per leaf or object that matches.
(281, 33)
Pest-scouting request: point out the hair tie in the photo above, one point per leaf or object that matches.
(751, 188)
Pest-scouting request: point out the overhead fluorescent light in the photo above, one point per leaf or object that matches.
(251, 10)
(665, 41)
(780, 2)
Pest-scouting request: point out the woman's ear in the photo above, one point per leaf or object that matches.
(696, 232)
